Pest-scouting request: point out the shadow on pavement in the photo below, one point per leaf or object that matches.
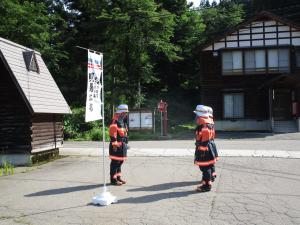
(58, 191)
(156, 197)
(165, 186)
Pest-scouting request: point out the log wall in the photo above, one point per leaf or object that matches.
(46, 132)
(14, 117)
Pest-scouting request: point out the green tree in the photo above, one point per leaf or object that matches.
(131, 34)
(221, 17)
(32, 24)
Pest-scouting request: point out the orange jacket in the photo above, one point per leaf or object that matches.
(117, 133)
(204, 132)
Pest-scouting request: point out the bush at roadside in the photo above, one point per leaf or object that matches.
(75, 127)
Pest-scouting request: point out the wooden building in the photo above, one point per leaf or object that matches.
(251, 75)
(31, 106)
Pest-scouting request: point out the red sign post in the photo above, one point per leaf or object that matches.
(162, 107)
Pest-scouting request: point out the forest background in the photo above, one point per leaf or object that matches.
(149, 48)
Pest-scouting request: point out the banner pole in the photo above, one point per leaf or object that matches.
(90, 50)
(105, 197)
(103, 127)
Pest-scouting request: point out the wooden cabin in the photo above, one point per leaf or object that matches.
(251, 76)
(31, 106)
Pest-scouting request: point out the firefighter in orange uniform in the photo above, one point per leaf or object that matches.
(118, 144)
(215, 151)
(205, 156)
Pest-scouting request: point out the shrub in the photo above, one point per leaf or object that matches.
(75, 127)
(6, 169)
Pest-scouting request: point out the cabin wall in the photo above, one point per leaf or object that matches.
(47, 132)
(14, 117)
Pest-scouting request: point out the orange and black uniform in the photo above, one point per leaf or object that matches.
(205, 153)
(215, 151)
(117, 147)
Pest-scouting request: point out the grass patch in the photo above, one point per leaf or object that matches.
(142, 135)
(182, 131)
(6, 168)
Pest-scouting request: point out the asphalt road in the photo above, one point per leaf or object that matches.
(160, 190)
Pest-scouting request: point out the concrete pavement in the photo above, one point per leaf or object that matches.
(261, 189)
(236, 144)
(160, 190)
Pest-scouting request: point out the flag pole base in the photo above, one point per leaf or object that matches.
(105, 198)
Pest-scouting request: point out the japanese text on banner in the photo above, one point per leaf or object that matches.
(94, 87)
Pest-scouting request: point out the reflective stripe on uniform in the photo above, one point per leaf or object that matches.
(115, 143)
(203, 148)
(205, 163)
(116, 175)
(117, 158)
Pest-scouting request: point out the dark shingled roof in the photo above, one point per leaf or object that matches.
(38, 88)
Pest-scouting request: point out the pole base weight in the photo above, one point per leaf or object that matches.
(105, 198)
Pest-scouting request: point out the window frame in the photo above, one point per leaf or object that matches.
(266, 70)
(233, 117)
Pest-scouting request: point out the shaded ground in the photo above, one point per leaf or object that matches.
(160, 191)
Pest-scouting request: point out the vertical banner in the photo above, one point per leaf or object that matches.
(94, 87)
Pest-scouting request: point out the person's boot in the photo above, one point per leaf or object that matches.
(204, 187)
(115, 182)
(120, 180)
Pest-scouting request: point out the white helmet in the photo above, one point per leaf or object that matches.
(201, 110)
(210, 111)
(122, 108)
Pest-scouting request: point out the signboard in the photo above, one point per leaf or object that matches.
(146, 120)
(94, 87)
(134, 120)
(162, 106)
(141, 119)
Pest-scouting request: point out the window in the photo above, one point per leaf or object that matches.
(33, 65)
(255, 61)
(30, 61)
(297, 57)
(232, 62)
(278, 60)
(233, 105)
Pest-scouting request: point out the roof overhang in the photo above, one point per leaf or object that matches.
(259, 16)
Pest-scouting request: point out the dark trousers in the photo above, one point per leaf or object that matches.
(206, 173)
(213, 170)
(115, 168)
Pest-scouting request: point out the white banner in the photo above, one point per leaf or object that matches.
(94, 87)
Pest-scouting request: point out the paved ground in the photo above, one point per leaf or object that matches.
(160, 191)
(229, 144)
